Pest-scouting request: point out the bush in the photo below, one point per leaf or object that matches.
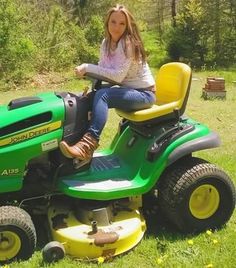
(156, 53)
(35, 39)
(16, 49)
(94, 31)
(55, 46)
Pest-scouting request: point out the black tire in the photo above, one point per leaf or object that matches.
(53, 252)
(17, 234)
(196, 195)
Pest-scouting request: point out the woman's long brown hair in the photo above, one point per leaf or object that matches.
(131, 33)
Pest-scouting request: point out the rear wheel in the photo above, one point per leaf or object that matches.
(196, 195)
(17, 234)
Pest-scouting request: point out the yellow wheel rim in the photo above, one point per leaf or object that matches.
(10, 245)
(204, 201)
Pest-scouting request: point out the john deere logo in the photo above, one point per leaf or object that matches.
(31, 133)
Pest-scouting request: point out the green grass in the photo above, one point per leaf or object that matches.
(163, 246)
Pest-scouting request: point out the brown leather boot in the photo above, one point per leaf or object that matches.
(82, 150)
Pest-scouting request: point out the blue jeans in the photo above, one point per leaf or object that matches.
(122, 98)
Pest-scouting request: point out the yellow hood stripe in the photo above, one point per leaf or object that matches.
(31, 133)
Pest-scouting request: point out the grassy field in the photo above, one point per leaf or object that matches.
(162, 246)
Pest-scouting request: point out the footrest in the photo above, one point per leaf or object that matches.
(105, 189)
(107, 178)
(104, 185)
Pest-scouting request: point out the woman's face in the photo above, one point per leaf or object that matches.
(117, 25)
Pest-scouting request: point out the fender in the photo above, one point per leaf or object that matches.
(212, 140)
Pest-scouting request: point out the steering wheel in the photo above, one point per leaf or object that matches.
(99, 81)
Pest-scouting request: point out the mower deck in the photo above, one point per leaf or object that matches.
(92, 232)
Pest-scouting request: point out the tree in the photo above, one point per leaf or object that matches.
(173, 12)
(184, 39)
(205, 32)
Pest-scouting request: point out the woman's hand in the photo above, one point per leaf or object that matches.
(80, 70)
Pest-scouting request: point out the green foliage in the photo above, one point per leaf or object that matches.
(16, 48)
(41, 36)
(55, 50)
(84, 51)
(38, 36)
(220, 32)
(156, 53)
(82, 10)
(184, 41)
(94, 31)
(205, 33)
(62, 43)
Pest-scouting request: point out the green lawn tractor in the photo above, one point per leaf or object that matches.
(97, 209)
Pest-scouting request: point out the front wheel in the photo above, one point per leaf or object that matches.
(53, 252)
(196, 195)
(17, 234)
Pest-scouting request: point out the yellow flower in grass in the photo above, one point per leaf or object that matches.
(190, 242)
(159, 261)
(100, 260)
(210, 265)
(209, 232)
(214, 241)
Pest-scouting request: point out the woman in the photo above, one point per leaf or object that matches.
(122, 59)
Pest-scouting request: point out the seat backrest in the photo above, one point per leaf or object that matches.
(172, 90)
(173, 84)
